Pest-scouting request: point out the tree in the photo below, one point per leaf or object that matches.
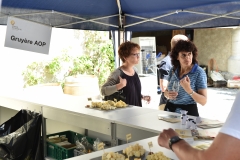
(98, 60)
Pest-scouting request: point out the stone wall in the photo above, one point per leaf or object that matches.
(214, 43)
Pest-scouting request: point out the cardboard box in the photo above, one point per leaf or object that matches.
(233, 84)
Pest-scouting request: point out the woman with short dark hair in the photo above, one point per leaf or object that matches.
(191, 77)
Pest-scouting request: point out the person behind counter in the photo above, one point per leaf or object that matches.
(224, 147)
(191, 77)
(165, 67)
(129, 81)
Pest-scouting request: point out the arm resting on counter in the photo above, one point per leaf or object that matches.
(224, 147)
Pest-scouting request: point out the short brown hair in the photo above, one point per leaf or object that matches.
(126, 48)
(183, 46)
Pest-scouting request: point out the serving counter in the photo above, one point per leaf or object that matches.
(156, 148)
(141, 122)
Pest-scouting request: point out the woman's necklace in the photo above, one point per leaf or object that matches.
(128, 71)
(131, 73)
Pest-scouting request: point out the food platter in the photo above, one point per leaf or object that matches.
(112, 109)
(132, 152)
(108, 105)
(120, 152)
(143, 157)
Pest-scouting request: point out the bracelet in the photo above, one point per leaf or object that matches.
(191, 93)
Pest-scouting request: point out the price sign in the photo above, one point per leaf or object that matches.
(129, 136)
(150, 144)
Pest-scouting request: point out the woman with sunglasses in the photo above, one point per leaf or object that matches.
(191, 78)
(125, 77)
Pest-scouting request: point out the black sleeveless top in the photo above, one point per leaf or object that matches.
(132, 90)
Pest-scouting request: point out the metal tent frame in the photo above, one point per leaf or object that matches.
(128, 17)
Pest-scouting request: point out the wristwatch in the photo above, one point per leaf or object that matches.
(174, 140)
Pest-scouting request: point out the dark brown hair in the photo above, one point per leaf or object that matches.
(183, 46)
(126, 48)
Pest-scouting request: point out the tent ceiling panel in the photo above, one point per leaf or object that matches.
(79, 7)
(140, 15)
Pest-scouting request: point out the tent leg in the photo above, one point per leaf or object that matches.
(44, 135)
(118, 37)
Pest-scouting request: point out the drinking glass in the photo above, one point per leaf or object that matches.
(175, 86)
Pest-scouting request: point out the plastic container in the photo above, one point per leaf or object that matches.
(82, 85)
(77, 153)
(60, 153)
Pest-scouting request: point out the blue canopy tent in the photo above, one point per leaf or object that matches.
(128, 15)
(125, 15)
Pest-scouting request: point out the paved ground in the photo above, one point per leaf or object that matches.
(218, 106)
(219, 103)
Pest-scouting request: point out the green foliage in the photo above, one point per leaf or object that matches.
(98, 60)
(101, 54)
(34, 74)
(100, 64)
(47, 71)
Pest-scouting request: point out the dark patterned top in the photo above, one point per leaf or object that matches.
(132, 90)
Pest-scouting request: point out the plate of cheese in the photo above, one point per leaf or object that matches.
(108, 105)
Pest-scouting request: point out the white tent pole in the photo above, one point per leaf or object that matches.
(3, 15)
(208, 14)
(168, 14)
(25, 14)
(68, 15)
(115, 39)
(152, 19)
(177, 11)
(171, 24)
(121, 32)
(232, 17)
(208, 19)
(91, 20)
(120, 13)
(106, 24)
(225, 15)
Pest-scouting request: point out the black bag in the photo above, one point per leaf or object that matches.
(119, 95)
(20, 137)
